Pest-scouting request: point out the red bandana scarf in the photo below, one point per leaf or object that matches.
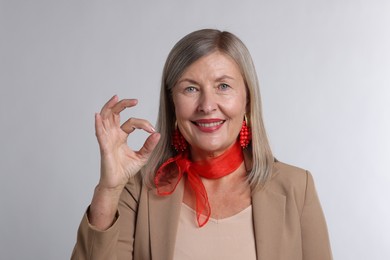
(172, 170)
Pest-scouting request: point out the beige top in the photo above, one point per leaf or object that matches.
(228, 238)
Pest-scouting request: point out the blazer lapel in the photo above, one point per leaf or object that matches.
(163, 220)
(268, 221)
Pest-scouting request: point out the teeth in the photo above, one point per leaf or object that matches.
(210, 124)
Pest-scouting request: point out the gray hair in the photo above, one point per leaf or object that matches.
(188, 50)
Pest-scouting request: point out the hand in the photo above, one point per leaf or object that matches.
(118, 161)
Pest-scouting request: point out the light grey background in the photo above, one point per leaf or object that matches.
(324, 68)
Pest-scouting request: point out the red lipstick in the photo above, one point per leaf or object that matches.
(209, 125)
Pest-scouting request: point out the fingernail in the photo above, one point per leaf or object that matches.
(153, 130)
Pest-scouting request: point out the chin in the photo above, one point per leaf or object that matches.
(212, 147)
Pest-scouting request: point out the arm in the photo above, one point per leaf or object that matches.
(315, 238)
(117, 241)
(101, 228)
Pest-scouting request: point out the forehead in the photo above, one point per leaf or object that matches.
(215, 64)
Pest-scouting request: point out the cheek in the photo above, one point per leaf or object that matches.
(237, 107)
(182, 108)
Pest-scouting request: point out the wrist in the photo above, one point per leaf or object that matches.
(104, 207)
(110, 192)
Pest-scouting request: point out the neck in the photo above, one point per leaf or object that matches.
(220, 166)
(167, 177)
(204, 156)
(232, 180)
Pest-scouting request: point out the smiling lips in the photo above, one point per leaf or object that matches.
(209, 125)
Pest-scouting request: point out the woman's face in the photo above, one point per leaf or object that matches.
(210, 103)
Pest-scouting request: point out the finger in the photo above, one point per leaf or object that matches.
(110, 103)
(149, 145)
(98, 124)
(123, 104)
(136, 123)
(99, 128)
(128, 129)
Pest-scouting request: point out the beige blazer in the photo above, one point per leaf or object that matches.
(287, 218)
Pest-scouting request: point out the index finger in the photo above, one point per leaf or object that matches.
(123, 104)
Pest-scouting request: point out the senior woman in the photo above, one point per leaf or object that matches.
(205, 185)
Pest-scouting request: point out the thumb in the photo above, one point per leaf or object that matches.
(149, 145)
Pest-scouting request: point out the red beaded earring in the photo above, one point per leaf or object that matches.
(245, 134)
(179, 143)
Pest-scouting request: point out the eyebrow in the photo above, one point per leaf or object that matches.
(223, 77)
(188, 80)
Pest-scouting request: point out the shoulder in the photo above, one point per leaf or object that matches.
(287, 174)
(289, 180)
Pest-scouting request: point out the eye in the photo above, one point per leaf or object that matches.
(223, 86)
(190, 89)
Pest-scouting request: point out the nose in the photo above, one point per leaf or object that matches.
(207, 102)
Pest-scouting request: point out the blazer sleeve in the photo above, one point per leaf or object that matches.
(315, 238)
(117, 242)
